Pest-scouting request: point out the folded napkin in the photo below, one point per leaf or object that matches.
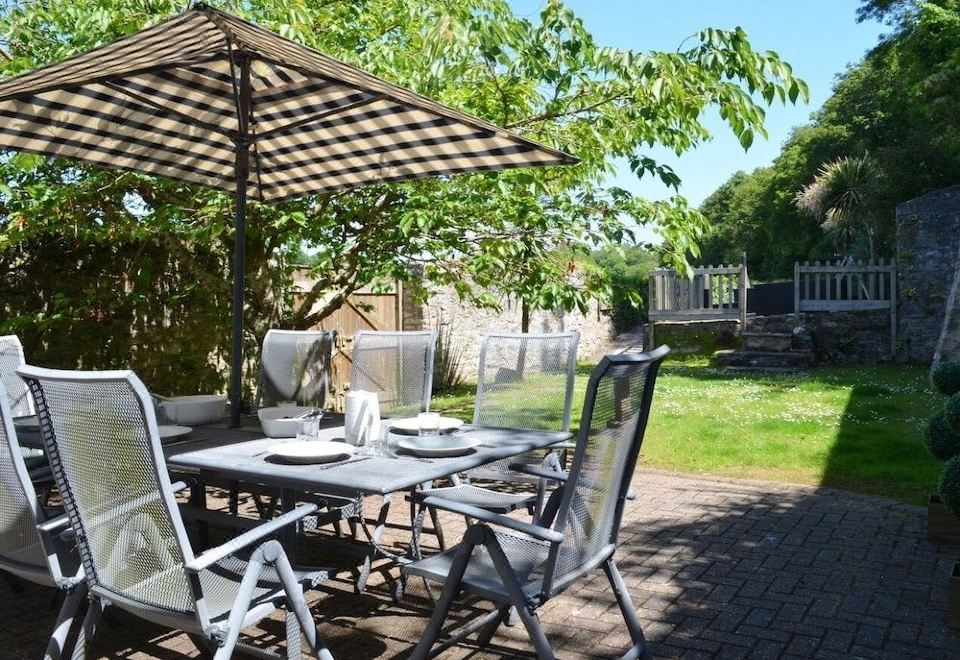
(361, 418)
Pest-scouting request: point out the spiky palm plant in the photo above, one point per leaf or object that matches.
(842, 196)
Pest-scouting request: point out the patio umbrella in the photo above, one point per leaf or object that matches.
(208, 98)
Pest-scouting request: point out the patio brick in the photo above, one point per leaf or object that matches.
(718, 569)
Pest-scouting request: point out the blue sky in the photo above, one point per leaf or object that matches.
(819, 38)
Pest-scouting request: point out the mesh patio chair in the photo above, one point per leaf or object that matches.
(11, 359)
(398, 366)
(525, 381)
(295, 366)
(21, 405)
(31, 547)
(526, 565)
(100, 433)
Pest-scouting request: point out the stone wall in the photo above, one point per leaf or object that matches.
(695, 337)
(928, 243)
(838, 337)
(468, 324)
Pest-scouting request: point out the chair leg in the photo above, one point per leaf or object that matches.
(295, 601)
(293, 635)
(85, 636)
(451, 587)
(374, 539)
(512, 617)
(639, 649)
(437, 529)
(240, 606)
(486, 634)
(517, 597)
(61, 631)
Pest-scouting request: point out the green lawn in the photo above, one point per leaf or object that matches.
(856, 428)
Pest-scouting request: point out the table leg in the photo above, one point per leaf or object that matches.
(288, 501)
(198, 499)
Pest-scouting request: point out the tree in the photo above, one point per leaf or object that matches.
(842, 196)
(900, 105)
(547, 79)
(628, 270)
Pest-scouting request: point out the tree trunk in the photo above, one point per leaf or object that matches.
(873, 252)
(524, 317)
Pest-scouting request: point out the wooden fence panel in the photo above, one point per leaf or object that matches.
(714, 292)
(847, 287)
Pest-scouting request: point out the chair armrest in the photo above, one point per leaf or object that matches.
(177, 486)
(54, 524)
(564, 444)
(213, 555)
(542, 533)
(538, 471)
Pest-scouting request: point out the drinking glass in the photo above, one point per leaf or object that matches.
(428, 424)
(308, 428)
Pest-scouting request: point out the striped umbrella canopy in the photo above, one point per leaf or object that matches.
(207, 98)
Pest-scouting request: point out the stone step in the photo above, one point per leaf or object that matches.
(767, 341)
(763, 370)
(763, 359)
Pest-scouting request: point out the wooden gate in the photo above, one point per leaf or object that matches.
(364, 310)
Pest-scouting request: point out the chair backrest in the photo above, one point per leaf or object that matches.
(614, 419)
(295, 366)
(11, 359)
(398, 366)
(525, 380)
(100, 433)
(20, 512)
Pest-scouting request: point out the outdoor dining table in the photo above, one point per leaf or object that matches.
(222, 454)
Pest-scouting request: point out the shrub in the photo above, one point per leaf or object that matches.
(942, 441)
(447, 361)
(949, 485)
(946, 378)
(952, 412)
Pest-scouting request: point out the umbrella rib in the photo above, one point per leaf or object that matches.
(146, 100)
(320, 115)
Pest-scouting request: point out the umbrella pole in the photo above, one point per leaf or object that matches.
(239, 268)
(242, 166)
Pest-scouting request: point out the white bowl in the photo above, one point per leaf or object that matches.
(276, 421)
(194, 410)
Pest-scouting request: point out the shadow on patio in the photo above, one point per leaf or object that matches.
(718, 569)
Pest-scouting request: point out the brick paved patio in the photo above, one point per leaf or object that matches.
(719, 569)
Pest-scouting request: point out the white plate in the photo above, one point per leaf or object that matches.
(171, 431)
(439, 446)
(410, 425)
(29, 423)
(311, 451)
